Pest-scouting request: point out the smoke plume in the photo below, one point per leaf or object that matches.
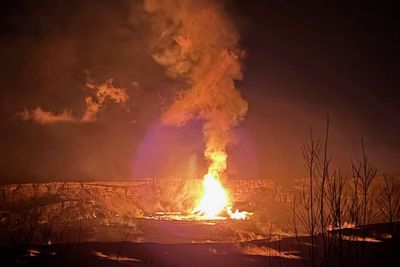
(97, 95)
(198, 45)
(101, 93)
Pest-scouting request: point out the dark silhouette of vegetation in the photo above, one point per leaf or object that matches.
(364, 173)
(389, 203)
(330, 202)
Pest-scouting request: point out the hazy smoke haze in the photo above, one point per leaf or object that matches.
(177, 62)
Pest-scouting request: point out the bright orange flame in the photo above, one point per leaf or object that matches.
(215, 198)
(238, 215)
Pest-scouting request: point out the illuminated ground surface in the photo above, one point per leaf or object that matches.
(114, 237)
(167, 231)
(182, 243)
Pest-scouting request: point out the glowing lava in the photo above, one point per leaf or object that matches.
(215, 200)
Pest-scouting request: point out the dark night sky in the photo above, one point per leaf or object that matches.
(303, 61)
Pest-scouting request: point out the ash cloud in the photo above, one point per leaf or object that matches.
(80, 128)
(302, 62)
(102, 93)
(198, 46)
(43, 117)
(98, 95)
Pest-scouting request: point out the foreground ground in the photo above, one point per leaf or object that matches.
(130, 224)
(376, 250)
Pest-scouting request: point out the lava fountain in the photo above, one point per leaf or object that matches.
(215, 198)
(198, 45)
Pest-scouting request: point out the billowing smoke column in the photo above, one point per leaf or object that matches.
(198, 45)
